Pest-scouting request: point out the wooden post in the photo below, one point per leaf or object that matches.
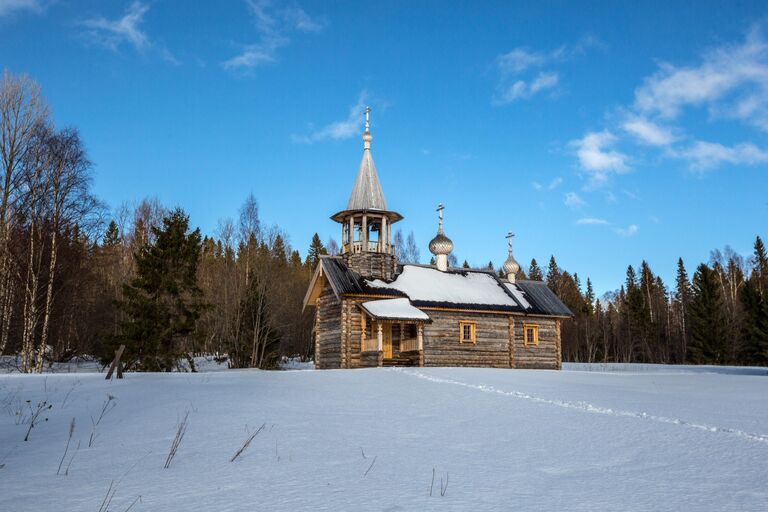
(116, 364)
(512, 363)
(364, 234)
(381, 336)
(351, 235)
(383, 235)
(420, 336)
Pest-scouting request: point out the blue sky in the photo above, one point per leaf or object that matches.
(603, 133)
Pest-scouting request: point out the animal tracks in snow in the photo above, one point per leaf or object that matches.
(590, 408)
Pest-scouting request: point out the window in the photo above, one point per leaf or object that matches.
(530, 334)
(467, 332)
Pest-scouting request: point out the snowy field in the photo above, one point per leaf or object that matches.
(588, 438)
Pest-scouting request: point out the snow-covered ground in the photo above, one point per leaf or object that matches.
(669, 438)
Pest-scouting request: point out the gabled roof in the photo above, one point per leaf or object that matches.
(427, 287)
(367, 193)
(543, 300)
(394, 309)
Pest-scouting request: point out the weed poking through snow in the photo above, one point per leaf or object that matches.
(181, 429)
(66, 448)
(109, 404)
(35, 417)
(247, 443)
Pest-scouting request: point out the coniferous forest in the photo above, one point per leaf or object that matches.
(78, 277)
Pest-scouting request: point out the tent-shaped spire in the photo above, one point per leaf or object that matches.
(367, 194)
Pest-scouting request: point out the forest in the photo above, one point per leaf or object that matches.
(78, 278)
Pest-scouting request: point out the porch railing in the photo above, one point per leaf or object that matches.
(409, 345)
(370, 345)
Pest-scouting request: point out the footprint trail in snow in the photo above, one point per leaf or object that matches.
(590, 408)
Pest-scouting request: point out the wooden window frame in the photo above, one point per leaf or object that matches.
(535, 329)
(473, 331)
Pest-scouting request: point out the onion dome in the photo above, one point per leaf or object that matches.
(511, 267)
(441, 244)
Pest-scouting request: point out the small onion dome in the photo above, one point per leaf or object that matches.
(511, 266)
(367, 137)
(441, 244)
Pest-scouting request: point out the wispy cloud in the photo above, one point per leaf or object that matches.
(630, 230)
(648, 132)
(703, 155)
(730, 81)
(512, 67)
(572, 200)
(274, 25)
(597, 158)
(552, 185)
(592, 221)
(337, 130)
(10, 7)
(126, 29)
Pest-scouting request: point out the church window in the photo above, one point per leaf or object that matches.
(531, 334)
(467, 332)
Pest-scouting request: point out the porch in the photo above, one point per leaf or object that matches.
(392, 333)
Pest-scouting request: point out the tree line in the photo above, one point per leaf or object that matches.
(79, 279)
(719, 316)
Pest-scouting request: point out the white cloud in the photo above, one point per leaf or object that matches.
(274, 26)
(113, 33)
(596, 157)
(522, 90)
(338, 130)
(513, 86)
(630, 230)
(537, 186)
(731, 81)
(703, 155)
(555, 183)
(9, 7)
(573, 200)
(592, 221)
(649, 132)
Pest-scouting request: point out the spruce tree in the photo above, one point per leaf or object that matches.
(589, 297)
(755, 328)
(112, 235)
(553, 276)
(708, 323)
(534, 272)
(760, 262)
(162, 302)
(316, 249)
(465, 264)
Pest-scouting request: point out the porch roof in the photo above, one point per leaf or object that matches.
(394, 309)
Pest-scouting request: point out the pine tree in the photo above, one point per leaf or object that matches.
(465, 264)
(112, 235)
(316, 249)
(708, 323)
(162, 302)
(534, 272)
(755, 329)
(279, 251)
(589, 297)
(760, 262)
(490, 266)
(553, 276)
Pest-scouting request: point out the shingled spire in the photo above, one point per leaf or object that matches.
(366, 193)
(366, 232)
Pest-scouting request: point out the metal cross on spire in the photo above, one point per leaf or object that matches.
(367, 120)
(509, 237)
(440, 209)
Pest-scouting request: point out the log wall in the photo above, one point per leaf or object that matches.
(328, 331)
(546, 354)
(441, 340)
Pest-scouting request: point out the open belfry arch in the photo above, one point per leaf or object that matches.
(370, 310)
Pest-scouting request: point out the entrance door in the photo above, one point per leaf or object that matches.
(386, 342)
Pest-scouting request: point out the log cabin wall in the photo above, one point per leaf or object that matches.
(545, 355)
(372, 265)
(329, 353)
(442, 346)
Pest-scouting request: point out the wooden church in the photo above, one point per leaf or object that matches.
(371, 310)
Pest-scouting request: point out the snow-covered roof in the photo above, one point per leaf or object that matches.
(394, 309)
(427, 285)
(518, 294)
